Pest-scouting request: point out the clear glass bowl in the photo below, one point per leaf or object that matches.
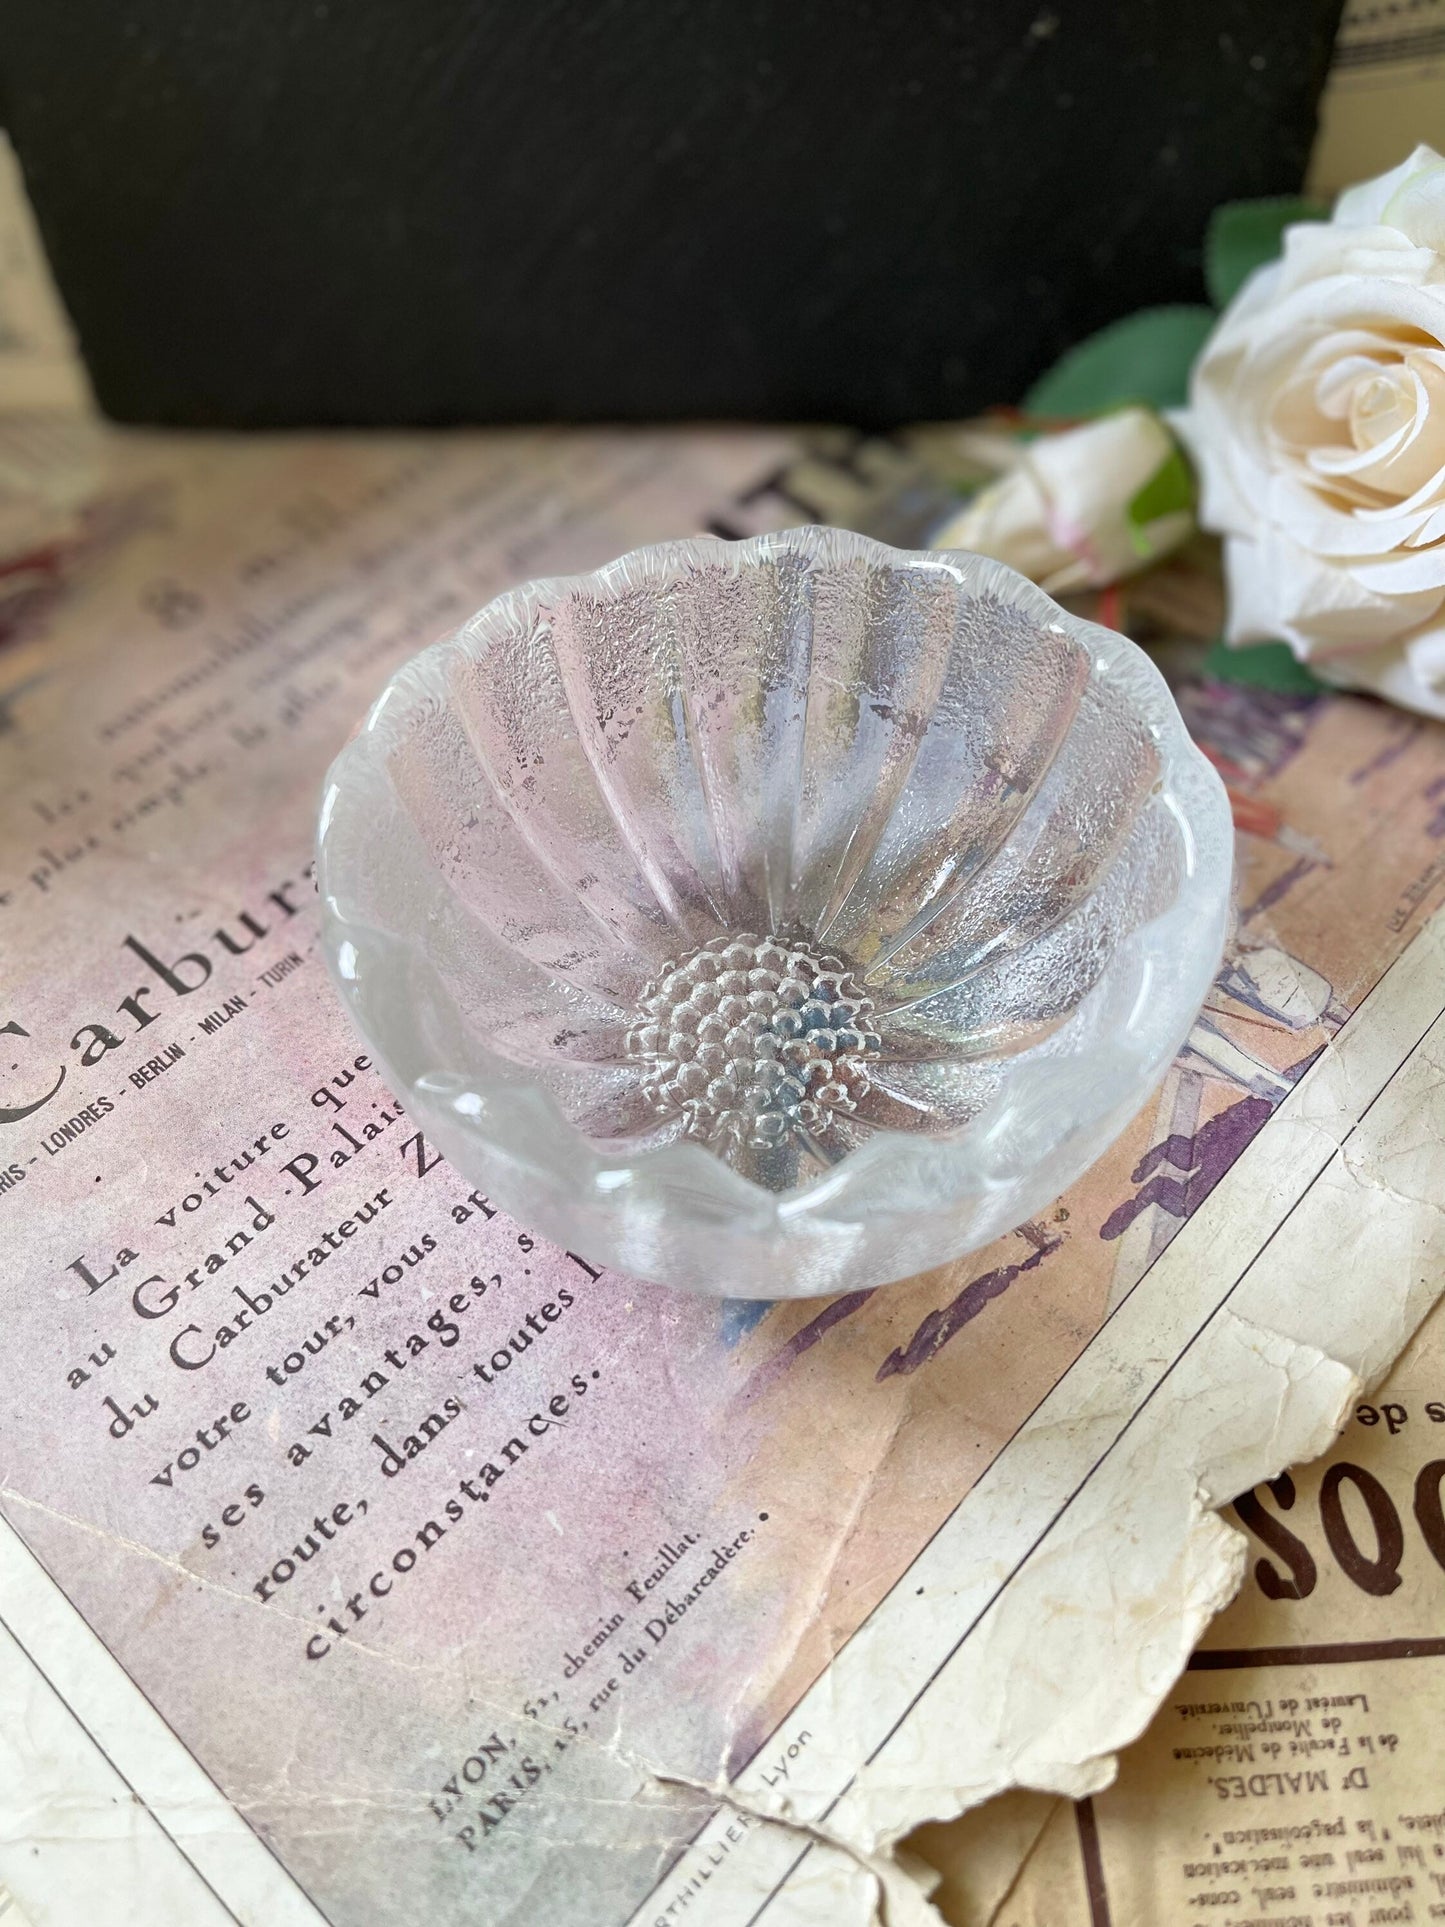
(779, 917)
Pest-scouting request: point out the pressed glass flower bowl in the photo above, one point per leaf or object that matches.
(777, 917)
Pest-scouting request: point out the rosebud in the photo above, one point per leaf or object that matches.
(1084, 508)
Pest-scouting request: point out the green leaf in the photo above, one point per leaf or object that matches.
(1146, 358)
(1243, 235)
(1168, 491)
(1263, 665)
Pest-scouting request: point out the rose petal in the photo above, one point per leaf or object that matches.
(1408, 674)
(1417, 206)
(1277, 590)
(1337, 533)
(1252, 614)
(1205, 430)
(1364, 204)
(1431, 529)
(1314, 252)
(1406, 573)
(1007, 520)
(1334, 389)
(1425, 652)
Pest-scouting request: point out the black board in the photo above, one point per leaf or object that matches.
(424, 211)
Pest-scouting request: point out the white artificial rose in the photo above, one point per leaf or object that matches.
(1317, 423)
(1061, 514)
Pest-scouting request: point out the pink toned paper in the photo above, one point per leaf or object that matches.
(483, 1586)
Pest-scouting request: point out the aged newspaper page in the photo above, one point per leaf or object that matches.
(364, 1558)
(40, 369)
(1386, 90)
(1295, 1775)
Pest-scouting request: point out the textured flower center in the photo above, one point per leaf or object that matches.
(752, 1039)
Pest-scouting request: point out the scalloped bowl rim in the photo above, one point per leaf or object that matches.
(520, 1114)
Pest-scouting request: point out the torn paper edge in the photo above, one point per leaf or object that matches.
(1044, 1625)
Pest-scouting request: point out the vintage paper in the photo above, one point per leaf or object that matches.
(1385, 92)
(40, 368)
(451, 1580)
(1295, 1771)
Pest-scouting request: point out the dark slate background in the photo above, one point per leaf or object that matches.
(424, 211)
